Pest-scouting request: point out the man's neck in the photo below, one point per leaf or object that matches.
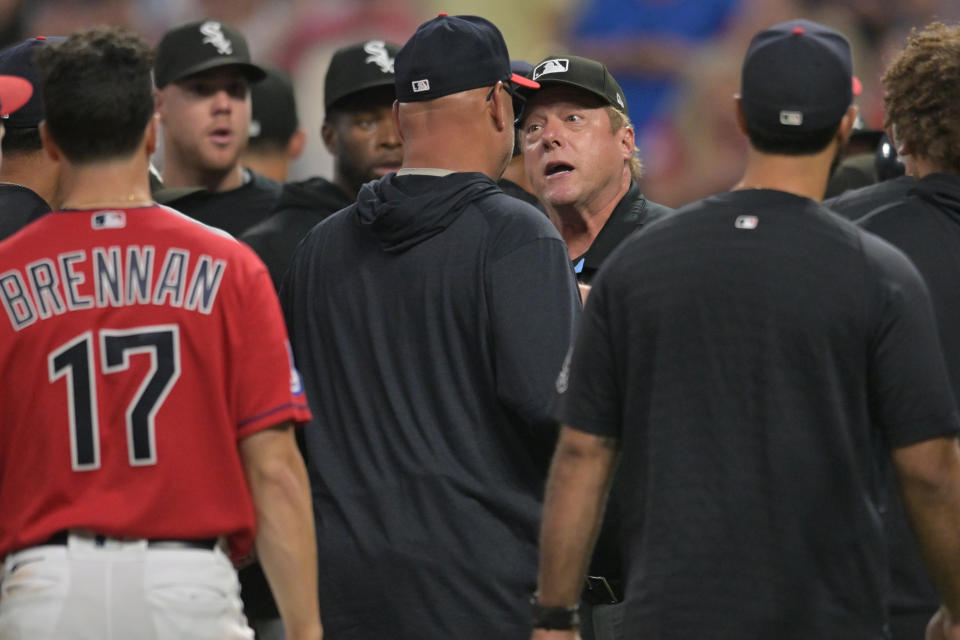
(119, 184)
(804, 176)
(273, 166)
(580, 223)
(176, 175)
(33, 171)
(923, 167)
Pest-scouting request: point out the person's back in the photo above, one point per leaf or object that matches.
(759, 310)
(448, 459)
(445, 308)
(122, 385)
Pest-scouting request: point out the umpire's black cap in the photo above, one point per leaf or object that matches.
(582, 73)
(199, 46)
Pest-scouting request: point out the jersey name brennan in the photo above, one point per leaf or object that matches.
(109, 277)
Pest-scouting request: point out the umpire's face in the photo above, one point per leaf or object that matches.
(573, 154)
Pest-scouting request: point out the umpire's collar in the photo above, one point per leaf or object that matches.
(630, 213)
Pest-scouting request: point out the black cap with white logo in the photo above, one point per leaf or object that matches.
(361, 66)
(199, 46)
(582, 73)
(450, 54)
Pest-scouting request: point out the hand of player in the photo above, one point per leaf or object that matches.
(943, 627)
(544, 634)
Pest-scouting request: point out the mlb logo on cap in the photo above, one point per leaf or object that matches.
(421, 85)
(555, 65)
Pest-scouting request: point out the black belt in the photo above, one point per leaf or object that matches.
(61, 537)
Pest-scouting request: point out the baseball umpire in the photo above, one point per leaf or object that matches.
(145, 379)
(749, 359)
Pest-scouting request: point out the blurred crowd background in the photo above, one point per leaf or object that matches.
(677, 60)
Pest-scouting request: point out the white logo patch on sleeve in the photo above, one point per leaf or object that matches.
(746, 222)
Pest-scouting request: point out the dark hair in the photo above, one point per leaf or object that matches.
(922, 95)
(98, 92)
(794, 144)
(21, 140)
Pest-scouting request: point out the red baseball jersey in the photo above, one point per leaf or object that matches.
(137, 347)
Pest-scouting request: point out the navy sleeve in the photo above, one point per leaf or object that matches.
(534, 306)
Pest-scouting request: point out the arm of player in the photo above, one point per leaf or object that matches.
(577, 487)
(929, 474)
(285, 541)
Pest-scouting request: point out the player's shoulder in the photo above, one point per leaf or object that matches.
(506, 215)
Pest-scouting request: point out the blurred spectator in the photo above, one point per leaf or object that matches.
(276, 138)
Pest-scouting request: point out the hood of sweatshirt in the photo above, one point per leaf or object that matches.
(403, 211)
(312, 194)
(942, 189)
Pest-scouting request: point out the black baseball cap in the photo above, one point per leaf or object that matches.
(582, 73)
(450, 54)
(274, 111)
(199, 46)
(358, 67)
(797, 77)
(18, 60)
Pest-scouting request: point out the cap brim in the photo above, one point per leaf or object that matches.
(252, 72)
(14, 93)
(524, 82)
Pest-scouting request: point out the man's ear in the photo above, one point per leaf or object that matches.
(846, 123)
(738, 107)
(396, 119)
(158, 95)
(502, 105)
(329, 136)
(151, 134)
(296, 144)
(49, 146)
(627, 141)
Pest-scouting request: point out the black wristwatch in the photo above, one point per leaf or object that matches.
(556, 618)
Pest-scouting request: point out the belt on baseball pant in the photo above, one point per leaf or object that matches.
(209, 544)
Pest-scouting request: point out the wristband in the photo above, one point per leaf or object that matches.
(554, 618)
